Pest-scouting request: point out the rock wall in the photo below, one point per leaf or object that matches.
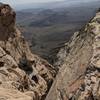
(23, 75)
(79, 63)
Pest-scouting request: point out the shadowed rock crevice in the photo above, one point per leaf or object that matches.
(25, 65)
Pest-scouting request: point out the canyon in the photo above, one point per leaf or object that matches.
(75, 75)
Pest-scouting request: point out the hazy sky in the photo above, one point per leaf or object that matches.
(27, 1)
(17, 3)
(36, 1)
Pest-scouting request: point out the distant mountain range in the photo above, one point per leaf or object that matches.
(46, 29)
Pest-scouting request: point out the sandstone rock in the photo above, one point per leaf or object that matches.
(82, 60)
(23, 75)
(8, 94)
(93, 79)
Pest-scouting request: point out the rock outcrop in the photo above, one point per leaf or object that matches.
(23, 75)
(79, 63)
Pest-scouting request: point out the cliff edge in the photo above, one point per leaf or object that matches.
(23, 75)
(79, 64)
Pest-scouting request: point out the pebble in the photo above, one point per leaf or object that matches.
(88, 82)
(93, 79)
(88, 88)
(93, 74)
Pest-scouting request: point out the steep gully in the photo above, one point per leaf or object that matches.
(25, 76)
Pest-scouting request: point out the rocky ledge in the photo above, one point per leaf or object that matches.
(23, 75)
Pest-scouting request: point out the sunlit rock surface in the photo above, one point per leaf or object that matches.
(23, 75)
(79, 63)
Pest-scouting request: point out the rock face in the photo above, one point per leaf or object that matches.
(23, 75)
(79, 75)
